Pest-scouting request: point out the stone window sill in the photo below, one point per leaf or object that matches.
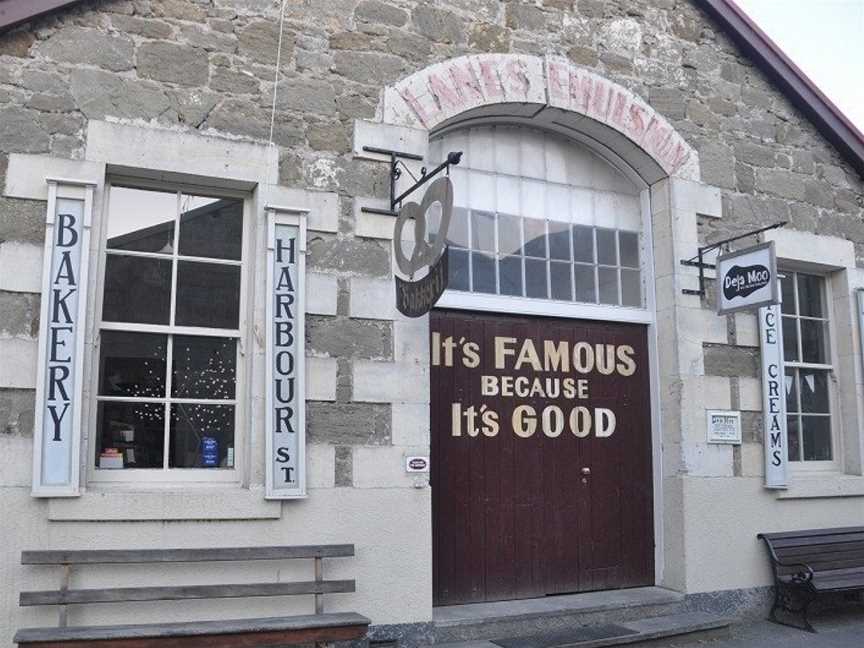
(823, 486)
(216, 503)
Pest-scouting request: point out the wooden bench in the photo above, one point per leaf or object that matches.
(271, 631)
(812, 562)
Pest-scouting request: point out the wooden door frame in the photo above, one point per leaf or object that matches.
(648, 316)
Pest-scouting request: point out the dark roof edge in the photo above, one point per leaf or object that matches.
(804, 94)
(15, 12)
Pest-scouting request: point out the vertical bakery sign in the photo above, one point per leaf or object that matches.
(59, 380)
(286, 425)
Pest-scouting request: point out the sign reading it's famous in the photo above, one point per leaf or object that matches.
(546, 387)
(747, 279)
(429, 250)
(285, 360)
(59, 383)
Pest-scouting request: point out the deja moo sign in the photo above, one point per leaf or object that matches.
(747, 279)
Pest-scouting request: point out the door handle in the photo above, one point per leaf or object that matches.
(586, 471)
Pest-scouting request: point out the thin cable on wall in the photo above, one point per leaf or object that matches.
(276, 80)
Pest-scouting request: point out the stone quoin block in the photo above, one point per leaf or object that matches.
(349, 338)
(348, 424)
(21, 267)
(390, 382)
(321, 378)
(728, 360)
(18, 368)
(321, 293)
(373, 298)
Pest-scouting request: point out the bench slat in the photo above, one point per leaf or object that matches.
(844, 549)
(115, 556)
(815, 541)
(194, 628)
(809, 533)
(180, 592)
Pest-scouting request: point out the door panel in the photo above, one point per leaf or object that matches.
(513, 514)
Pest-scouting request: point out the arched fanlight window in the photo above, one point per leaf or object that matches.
(541, 217)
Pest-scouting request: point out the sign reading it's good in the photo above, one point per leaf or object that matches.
(286, 473)
(522, 374)
(747, 279)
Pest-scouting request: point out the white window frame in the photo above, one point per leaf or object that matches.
(172, 476)
(835, 465)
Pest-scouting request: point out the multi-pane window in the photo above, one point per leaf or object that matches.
(510, 255)
(169, 331)
(537, 216)
(808, 367)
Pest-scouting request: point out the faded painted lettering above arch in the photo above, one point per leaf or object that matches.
(430, 97)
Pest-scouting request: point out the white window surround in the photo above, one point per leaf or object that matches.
(153, 154)
(807, 252)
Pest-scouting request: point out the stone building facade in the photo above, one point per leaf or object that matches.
(185, 92)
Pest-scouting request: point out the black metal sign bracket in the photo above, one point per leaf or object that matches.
(698, 261)
(396, 167)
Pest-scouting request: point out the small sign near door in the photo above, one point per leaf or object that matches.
(747, 279)
(724, 427)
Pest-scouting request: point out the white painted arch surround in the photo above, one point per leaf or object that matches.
(552, 94)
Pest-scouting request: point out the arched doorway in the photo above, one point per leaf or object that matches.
(540, 382)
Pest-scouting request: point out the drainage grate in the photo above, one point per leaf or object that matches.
(568, 638)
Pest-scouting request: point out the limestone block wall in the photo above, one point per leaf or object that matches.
(208, 67)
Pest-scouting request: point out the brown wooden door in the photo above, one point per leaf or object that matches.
(513, 514)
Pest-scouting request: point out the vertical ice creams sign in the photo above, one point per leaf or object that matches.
(285, 402)
(58, 409)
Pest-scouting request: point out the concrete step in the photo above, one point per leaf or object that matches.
(666, 630)
(527, 617)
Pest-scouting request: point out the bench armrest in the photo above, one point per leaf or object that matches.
(801, 578)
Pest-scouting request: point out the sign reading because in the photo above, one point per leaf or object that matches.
(724, 427)
(773, 397)
(286, 434)
(59, 381)
(747, 279)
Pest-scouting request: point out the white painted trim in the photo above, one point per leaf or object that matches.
(298, 218)
(528, 306)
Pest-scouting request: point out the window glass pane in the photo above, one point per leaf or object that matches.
(137, 290)
(631, 288)
(482, 231)
(510, 275)
(586, 291)
(809, 296)
(208, 294)
(813, 341)
(787, 288)
(814, 391)
(817, 438)
(559, 240)
(793, 434)
(535, 278)
(583, 243)
(130, 435)
(457, 270)
(629, 249)
(559, 275)
(790, 339)
(791, 392)
(607, 280)
(202, 436)
(211, 227)
(458, 232)
(483, 273)
(535, 237)
(204, 367)
(509, 234)
(606, 252)
(132, 364)
(141, 220)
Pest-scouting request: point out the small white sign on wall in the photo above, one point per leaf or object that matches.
(724, 426)
(286, 355)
